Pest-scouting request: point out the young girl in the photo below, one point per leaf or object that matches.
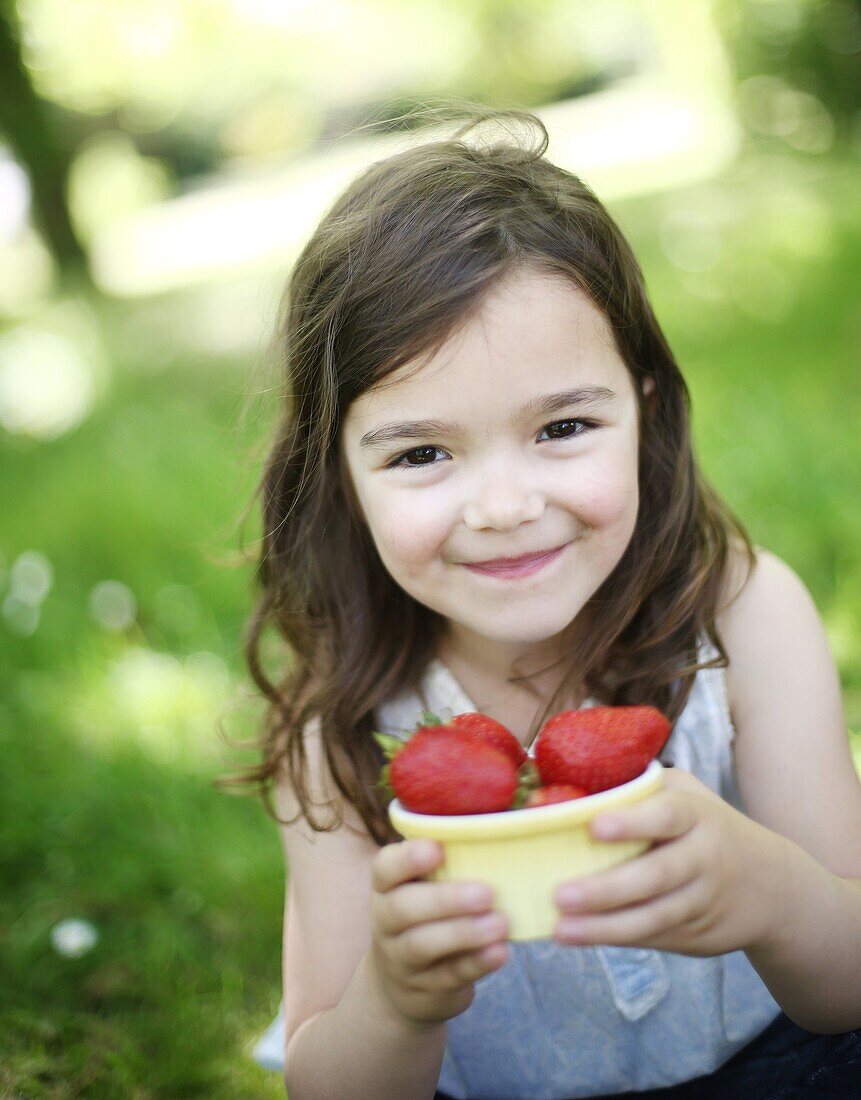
(482, 496)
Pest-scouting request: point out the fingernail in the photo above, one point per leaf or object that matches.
(425, 851)
(570, 896)
(606, 827)
(476, 895)
(571, 931)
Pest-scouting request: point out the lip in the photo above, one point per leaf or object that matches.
(523, 566)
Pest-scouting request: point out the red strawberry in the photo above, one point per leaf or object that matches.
(555, 792)
(493, 732)
(440, 770)
(599, 747)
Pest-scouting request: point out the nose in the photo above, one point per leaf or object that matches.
(502, 501)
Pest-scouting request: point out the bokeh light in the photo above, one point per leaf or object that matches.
(14, 198)
(167, 705)
(110, 181)
(772, 107)
(52, 371)
(31, 577)
(112, 604)
(46, 386)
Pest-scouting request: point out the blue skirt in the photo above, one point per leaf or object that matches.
(784, 1062)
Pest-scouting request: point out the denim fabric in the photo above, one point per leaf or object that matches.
(559, 1022)
(785, 1062)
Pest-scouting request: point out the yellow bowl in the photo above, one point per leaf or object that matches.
(523, 855)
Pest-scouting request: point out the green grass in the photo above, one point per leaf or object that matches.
(184, 889)
(108, 811)
(109, 741)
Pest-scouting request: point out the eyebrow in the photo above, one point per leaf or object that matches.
(538, 406)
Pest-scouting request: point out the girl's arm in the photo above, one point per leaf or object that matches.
(341, 1037)
(812, 962)
(781, 881)
(796, 776)
(359, 1049)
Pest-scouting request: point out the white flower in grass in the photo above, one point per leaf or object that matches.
(73, 938)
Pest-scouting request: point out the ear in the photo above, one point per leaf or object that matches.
(649, 390)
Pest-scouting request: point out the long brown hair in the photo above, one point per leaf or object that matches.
(406, 254)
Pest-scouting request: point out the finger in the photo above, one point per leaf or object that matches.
(404, 861)
(661, 816)
(419, 902)
(645, 925)
(422, 945)
(456, 971)
(647, 876)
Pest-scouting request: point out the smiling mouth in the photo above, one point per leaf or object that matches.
(506, 563)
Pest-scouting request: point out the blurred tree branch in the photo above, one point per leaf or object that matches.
(29, 126)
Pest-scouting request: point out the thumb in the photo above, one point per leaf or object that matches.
(677, 779)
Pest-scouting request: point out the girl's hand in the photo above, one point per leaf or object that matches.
(711, 883)
(431, 940)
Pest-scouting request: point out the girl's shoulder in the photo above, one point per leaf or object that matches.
(770, 627)
(792, 759)
(334, 812)
(764, 611)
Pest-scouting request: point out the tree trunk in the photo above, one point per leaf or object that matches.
(33, 133)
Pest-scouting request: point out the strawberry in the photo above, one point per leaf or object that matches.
(599, 747)
(493, 732)
(441, 770)
(554, 792)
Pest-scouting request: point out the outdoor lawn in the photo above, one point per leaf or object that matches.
(113, 695)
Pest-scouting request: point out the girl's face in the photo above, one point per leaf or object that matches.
(519, 437)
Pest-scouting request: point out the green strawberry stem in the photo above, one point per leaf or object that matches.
(389, 744)
(528, 780)
(385, 786)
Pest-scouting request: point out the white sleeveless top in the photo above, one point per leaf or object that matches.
(559, 1022)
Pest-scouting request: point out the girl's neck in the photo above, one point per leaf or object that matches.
(499, 665)
(516, 705)
(534, 667)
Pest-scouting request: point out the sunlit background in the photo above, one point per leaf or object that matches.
(161, 163)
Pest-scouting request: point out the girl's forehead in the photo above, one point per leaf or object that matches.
(530, 337)
(468, 387)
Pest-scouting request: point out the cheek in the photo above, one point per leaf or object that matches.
(605, 492)
(409, 529)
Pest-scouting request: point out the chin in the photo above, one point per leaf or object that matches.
(524, 632)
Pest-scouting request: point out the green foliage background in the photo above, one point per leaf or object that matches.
(111, 738)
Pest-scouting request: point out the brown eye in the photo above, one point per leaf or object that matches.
(423, 456)
(566, 429)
